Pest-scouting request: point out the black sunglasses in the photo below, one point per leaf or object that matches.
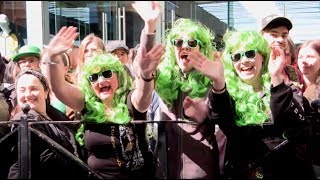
(107, 74)
(249, 54)
(192, 43)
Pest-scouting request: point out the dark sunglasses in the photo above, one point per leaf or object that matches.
(192, 43)
(249, 54)
(107, 74)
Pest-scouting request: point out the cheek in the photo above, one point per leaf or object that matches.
(176, 52)
(236, 66)
(20, 97)
(95, 87)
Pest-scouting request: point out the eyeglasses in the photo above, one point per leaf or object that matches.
(192, 43)
(107, 74)
(29, 60)
(249, 54)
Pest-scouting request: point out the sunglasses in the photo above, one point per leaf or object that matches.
(192, 43)
(249, 54)
(107, 74)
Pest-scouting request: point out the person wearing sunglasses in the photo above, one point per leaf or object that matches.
(181, 88)
(267, 133)
(116, 147)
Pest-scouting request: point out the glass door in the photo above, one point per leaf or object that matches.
(109, 20)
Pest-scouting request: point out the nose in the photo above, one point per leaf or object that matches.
(280, 39)
(101, 79)
(303, 60)
(27, 93)
(185, 47)
(244, 58)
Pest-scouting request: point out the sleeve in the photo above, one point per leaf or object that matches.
(147, 39)
(287, 109)
(222, 111)
(136, 115)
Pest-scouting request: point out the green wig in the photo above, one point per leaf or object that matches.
(95, 109)
(170, 80)
(250, 108)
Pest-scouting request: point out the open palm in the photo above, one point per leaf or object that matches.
(149, 11)
(214, 70)
(148, 61)
(63, 40)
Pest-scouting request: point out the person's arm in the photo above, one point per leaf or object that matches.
(67, 93)
(288, 114)
(148, 55)
(286, 111)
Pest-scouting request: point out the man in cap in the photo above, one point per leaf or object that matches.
(28, 56)
(275, 29)
(120, 49)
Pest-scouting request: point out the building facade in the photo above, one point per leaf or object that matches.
(38, 21)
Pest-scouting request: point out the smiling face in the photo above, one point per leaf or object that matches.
(105, 87)
(277, 37)
(182, 51)
(309, 62)
(31, 91)
(249, 69)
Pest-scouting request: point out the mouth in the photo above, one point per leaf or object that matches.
(105, 89)
(247, 68)
(30, 101)
(184, 58)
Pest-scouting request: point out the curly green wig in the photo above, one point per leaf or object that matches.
(250, 108)
(170, 80)
(95, 109)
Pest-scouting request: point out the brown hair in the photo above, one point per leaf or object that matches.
(85, 42)
(292, 50)
(82, 48)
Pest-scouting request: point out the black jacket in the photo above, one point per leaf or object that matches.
(261, 151)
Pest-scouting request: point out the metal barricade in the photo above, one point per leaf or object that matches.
(24, 131)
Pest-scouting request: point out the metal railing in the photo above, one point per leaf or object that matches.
(24, 131)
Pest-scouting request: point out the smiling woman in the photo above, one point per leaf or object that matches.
(260, 115)
(32, 88)
(108, 102)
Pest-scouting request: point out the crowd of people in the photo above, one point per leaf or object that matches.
(244, 112)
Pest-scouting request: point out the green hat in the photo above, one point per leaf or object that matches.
(27, 50)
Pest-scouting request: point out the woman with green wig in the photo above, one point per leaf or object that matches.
(264, 124)
(105, 96)
(179, 86)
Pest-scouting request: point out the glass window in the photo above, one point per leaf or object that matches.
(13, 12)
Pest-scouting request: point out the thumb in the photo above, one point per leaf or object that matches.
(187, 102)
(217, 56)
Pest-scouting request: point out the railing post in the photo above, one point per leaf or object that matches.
(24, 145)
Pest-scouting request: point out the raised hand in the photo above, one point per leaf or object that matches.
(214, 70)
(195, 109)
(63, 40)
(148, 62)
(276, 61)
(149, 11)
(276, 65)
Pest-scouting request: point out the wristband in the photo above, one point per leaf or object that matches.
(147, 80)
(220, 90)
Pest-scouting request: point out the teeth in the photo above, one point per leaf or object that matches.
(245, 69)
(106, 88)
